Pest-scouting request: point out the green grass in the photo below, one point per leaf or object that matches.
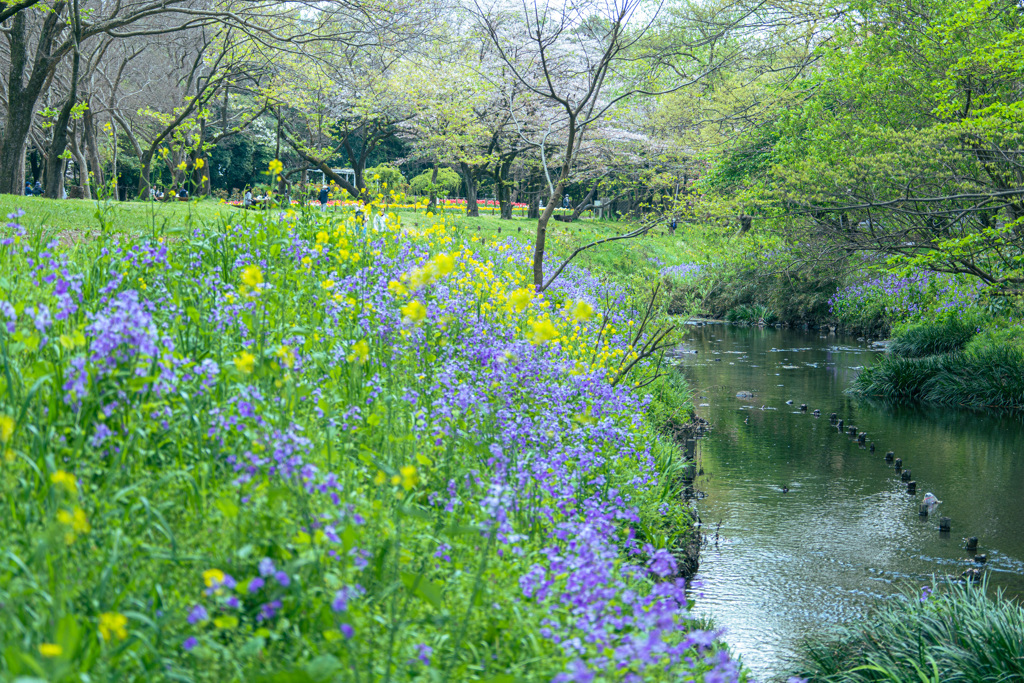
(990, 377)
(638, 258)
(73, 220)
(931, 339)
(957, 635)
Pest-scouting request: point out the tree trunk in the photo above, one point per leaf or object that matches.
(91, 144)
(469, 175)
(54, 161)
(23, 95)
(534, 210)
(144, 174)
(203, 181)
(432, 204)
(37, 167)
(80, 162)
(587, 201)
(502, 188)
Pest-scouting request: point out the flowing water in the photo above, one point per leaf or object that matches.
(783, 566)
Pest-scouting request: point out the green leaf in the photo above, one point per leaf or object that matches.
(426, 590)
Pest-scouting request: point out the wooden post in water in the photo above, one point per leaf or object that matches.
(898, 464)
(906, 475)
(923, 510)
(889, 456)
(912, 489)
(945, 524)
(972, 543)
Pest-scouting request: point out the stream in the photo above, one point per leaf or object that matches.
(779, 567)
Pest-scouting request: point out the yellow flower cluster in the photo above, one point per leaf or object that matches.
(252, 279)
(113, 625)
(6, 434)
(75, 523)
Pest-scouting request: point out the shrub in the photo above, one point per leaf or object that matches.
(447, 182)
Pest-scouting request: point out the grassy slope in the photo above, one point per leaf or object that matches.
(208, 523)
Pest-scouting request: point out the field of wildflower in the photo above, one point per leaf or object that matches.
(297, 446)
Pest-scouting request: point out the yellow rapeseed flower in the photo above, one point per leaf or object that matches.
(245, 362)
(213, 577)
(200, 163)
(327, 284)
(65, 480)
(414, 311)
(50, 650)
(76, 523)
(286, 355)
(445, 263)
(113, 624)
(521, 298)
(397, 288)
(6, 428)
(543, 331)
(252, 276)
(360, 352)
(583, 311)
(409, 477)
(275, 167)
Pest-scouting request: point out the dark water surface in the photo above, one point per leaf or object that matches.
(784, 566)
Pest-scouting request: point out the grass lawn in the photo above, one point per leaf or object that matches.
(73, 219)
(639, 256)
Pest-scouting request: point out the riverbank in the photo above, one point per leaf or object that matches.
(288, 445)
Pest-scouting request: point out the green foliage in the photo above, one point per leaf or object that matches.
(755, 314)
(447, 182)
(986, 376)
(239, 161)
(957, 634)
(377, 176)
(932, 339)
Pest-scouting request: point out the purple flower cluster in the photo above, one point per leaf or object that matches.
(681, 271)
(900, 297)
(546, 462)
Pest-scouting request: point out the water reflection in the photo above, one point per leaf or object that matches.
(786, 565)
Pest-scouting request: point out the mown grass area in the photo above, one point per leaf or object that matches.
(958, 634)
(640, 257)
(73, 220)
(301, 448)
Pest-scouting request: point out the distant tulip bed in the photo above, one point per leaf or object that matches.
(297, 446)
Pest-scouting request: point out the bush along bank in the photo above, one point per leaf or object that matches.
(957, 633)
(951, 363)
(298, 448)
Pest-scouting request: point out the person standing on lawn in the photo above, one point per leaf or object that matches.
(324, 196)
